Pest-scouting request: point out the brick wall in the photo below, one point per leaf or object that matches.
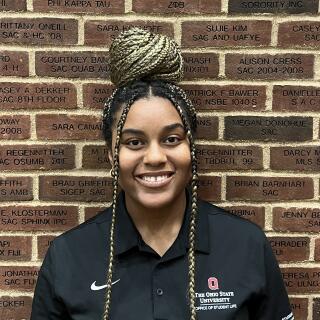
(252, 70)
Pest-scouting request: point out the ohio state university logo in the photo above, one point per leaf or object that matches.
(213, 283)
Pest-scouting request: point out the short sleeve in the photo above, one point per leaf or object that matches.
(273, 302)
(46, 305)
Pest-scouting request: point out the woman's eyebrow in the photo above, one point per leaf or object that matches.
(169, 127)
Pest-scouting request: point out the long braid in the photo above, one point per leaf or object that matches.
(115, 177)
(194, 187)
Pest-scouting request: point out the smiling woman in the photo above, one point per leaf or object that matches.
(158, 252)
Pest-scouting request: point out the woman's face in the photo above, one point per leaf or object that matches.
(154, 157)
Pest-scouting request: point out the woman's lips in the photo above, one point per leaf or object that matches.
(155, 184)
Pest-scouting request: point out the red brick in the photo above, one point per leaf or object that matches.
(299, 308)
(212, 158)
(276, 7)
(38, 31)
(17, 308)
(269, 188)
(268, 128)
(14, 127)
(75, 188)
(78, 64)
(296, 219)
(37, 157)
(38, 218)
(16, 188)
(296, 98)
(209, 188)
(43, 245)
(96, 94)
(13, 5)
(14, 63)
(299, 34)
(68, 127)
(177, 7)
(301, 280)
(226, 33)
(15, 248)
(290, 248)
(254, 214)
(29, 96)
(88, 6)
(316, 308)
(18, 278)
(317, 250)
(302, 158)
(90, 212)
(269, 67)
(101, 33)
(207, 127)
(203, 65)
(95, 157)
(227, 98)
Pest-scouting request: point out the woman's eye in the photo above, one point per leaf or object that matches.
(173, 139)
(134, 143)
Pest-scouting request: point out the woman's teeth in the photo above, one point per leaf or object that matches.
(155, 178)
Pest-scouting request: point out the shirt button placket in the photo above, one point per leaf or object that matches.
(159, 303)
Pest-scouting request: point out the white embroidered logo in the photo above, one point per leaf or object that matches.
(288, 317)
(94, 287)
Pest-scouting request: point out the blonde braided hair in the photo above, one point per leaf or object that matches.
(137, 55)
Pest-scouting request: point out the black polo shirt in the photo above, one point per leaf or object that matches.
(237, 276)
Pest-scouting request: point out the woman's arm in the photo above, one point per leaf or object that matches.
(46, 305)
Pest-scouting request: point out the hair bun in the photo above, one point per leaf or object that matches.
(138, 54)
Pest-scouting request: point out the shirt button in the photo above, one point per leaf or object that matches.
(159, 292)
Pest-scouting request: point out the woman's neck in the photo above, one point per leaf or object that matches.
(159, 227)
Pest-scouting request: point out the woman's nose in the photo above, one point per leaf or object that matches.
(154, 155)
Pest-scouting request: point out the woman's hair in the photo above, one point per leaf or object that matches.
(145, 65)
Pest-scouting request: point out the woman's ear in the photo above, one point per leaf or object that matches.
(110, 156)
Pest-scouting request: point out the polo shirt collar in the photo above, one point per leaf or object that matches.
(127, 236)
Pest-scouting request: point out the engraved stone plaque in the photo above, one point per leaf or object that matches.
(18, 278)
(226, 33)
(16, 188)
(212, 158)
(275, 6)
(16, 248)
(14, 63)
(82, 6)
(102, 33)
(68, 127)
(296, 98)
(39, 157)
(95, 157)
(269, 67)
(72, 64)
(95, 95)
(209, 188)
(44, 218)
(18, 307)
(38, 31)
(254, 214)
(44, 243)
(269, 188)
(268, 128)
(66, 188)
(290, 248)
(296, 219)
(301, 280)
(14, 127)
(28, 96)
(226, 98)
(295, 158)
(200, 65)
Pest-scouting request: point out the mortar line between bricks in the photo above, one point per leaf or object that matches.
(224, 6)
(34, 246)
(128, 6)
(30, 5)
(274, 33)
